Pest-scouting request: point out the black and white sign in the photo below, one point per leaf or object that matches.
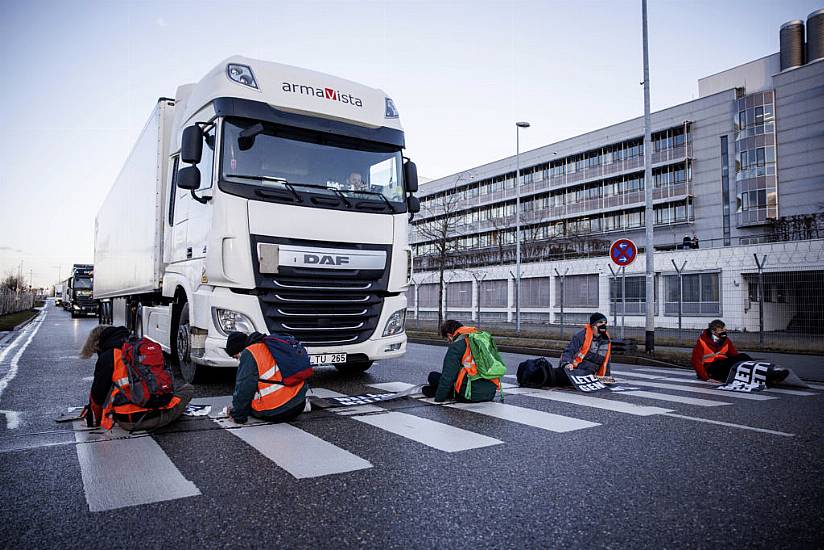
(747, 376)
(363, 399)
(586, 382)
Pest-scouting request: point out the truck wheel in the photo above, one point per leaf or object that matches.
(355, 367)
(183, 347)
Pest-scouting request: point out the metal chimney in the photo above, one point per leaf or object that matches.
(815, 35)
(791, 38)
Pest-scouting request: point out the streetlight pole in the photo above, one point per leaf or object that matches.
(518, 126)
(649, 217)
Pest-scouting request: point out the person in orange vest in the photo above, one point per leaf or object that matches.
(589, 349)
(106, 341)
(272, 402)
(451, 382)
(714, 353)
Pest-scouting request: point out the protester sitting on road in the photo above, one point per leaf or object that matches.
(272, 402)
(589, 350)
(451, 382)
(109, 370)
(714, 353)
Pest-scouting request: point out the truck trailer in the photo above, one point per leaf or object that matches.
(263, 198)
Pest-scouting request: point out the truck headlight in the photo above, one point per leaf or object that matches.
(228, 321)
(395, 323)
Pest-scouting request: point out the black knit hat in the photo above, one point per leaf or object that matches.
(235, 343)
(596, 317)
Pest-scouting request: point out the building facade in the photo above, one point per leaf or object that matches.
(738, 171)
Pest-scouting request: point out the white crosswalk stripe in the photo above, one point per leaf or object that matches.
(298, 452)
(705, 391)
(529, 417)
(118, 473)
(784, 391)
(428, 432)
(569, 396)
(674, 398)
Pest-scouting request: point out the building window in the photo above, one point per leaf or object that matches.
(428, 295)
(535, 292)
(459, 294)
(636, 296)
(579, 291)
(701, 295)
(494, 293)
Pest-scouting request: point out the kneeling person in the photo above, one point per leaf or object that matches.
(259, 391)
(452, 381)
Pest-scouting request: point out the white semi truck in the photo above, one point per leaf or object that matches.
(263, 198)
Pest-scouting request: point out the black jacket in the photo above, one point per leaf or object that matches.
(110, 338)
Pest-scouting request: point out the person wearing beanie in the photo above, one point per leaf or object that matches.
(272, 402)
(589, 350)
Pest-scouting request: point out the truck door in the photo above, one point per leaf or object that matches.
(178, 216)
(200, 215)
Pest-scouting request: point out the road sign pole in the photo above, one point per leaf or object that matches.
(623, 300)
(614, 295)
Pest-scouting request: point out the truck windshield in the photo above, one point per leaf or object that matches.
(299, 162)
(82, 282)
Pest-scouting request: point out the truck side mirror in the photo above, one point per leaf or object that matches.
(191, 145)
(410, 176)
(413, 204)
(189, 178)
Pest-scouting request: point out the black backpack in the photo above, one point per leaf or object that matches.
(535, 373)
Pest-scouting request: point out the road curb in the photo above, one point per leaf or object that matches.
(26, 322)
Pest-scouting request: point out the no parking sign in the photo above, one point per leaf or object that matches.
(623, 252)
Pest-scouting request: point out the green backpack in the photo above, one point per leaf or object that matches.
(488, 361)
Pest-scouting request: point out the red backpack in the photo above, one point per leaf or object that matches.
(151, 384)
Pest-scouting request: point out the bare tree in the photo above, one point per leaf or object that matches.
(13, 281)
(438, 227)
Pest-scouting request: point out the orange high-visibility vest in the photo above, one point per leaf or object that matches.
(709, 355)
(468, 366)
(270, 396)
(120, 385)
(582, 353)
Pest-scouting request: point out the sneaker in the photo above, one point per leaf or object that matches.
(428, 391)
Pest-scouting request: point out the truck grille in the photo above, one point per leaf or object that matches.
(322, 306)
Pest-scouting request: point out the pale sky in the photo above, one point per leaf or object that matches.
(79, 80)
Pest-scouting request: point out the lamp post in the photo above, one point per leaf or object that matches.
(518, 126)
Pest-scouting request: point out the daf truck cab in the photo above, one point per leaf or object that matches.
(264, 198)
(80, 290)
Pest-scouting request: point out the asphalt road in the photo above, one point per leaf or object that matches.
(545, 469)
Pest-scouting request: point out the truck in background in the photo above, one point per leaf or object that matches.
(78, 291)
(263, 198)
(58, 294)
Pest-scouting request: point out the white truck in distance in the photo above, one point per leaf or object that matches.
(263, 198)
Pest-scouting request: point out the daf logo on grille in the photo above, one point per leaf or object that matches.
(325, 259)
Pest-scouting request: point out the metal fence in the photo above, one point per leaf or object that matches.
(12, 302)
(770, 296)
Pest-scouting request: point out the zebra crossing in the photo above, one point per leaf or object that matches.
(304, 455)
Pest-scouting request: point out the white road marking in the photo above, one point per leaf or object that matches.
(815, 386)
(529, 417)
(731, 425)
(660, 370)
(300, 453)
(32, 327)
(127, 472)
(674, 398)
(705, 391)
(392, 387)
(784, 391)
(428, 432)
(12, 419)
(590, 401)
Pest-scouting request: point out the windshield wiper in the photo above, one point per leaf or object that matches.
(282, 181)
(381, 195)
(335, 191)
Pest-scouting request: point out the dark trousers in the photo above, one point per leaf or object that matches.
(153, 420)
(720, 370)
(431, 387)
(285, 416)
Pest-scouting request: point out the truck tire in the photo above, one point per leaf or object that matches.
(182, 346)
(354, 367)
